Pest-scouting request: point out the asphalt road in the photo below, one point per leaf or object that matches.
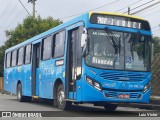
(10, 103)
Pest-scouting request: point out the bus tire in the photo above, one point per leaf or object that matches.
(20, 97)
(110, 107)
(61, 102)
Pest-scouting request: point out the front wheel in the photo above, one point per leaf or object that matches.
(110, 107)
(62, 103)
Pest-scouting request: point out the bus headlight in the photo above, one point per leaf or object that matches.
(93, 83)
(89, 81)
(146, 87)
(97, 86)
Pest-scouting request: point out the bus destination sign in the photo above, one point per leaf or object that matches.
(117, 21)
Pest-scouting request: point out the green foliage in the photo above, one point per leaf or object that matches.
(155, 83)
(156, 41)
(29, 28)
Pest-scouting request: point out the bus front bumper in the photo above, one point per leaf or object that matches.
(92, 95)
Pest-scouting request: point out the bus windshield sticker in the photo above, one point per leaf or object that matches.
(102, 61)
(106, 34)
(128, 62)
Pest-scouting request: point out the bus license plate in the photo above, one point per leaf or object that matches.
(124, 96)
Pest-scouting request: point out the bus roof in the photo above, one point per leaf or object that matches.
(64, 25)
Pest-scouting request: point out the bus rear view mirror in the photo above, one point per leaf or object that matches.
(84, 38)
(139, 36)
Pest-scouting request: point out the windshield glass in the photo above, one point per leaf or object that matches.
(118, 50)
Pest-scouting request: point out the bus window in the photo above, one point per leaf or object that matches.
(20, 56)
(46, 54)
(8, 60)
(27, 54)
(58, 44)
(14, 58)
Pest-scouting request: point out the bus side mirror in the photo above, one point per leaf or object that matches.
(83, 38)
(139, 36)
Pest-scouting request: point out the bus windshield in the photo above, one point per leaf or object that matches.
(118, 50)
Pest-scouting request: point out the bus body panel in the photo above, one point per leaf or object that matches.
(48, 72)
(27, 80)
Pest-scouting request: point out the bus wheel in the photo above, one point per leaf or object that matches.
(62, 103)
(110, 107)
(19, 93)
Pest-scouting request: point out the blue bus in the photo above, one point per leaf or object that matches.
(100, 58)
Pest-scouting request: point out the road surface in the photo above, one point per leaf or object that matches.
(10, 103)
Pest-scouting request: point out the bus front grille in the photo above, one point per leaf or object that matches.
(123, 76)
(114, 94)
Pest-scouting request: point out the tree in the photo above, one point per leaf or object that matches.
(29, 28)
(156, 67)
(156, 41)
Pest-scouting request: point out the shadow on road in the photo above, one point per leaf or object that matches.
(85, 110)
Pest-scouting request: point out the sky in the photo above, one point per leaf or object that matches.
(12, 12)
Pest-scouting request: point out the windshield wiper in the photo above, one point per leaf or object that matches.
(113, 41)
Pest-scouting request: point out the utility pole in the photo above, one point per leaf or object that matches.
(129, 10)
(34, 3)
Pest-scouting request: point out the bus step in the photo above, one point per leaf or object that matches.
(35, 97)
(72, 100)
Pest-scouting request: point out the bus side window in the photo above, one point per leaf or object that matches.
(58, 44)
(47, 46)
(14, 58)
(27, 57)
(20, 56)
(8, 60)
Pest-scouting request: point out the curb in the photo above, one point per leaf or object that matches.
(142, 106)
(5, 92)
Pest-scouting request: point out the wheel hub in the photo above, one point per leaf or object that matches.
(19, 94)
(61, 97)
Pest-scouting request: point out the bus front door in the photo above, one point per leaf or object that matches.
(35, 69)
(73, 64)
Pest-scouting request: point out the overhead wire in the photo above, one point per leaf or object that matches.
(25, 8)
(128, 5)
(6, 9)
(140, 6)
(148, 10)
(9, 16)
(90, 9)
(15, 18)
(99, 8)
(150, 13)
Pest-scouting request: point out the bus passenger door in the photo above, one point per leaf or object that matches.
(35, 69)
(73, 65)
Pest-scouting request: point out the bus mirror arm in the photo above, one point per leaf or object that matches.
(84, 42)
(139, 35)
(84, 51)
(83, 38)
